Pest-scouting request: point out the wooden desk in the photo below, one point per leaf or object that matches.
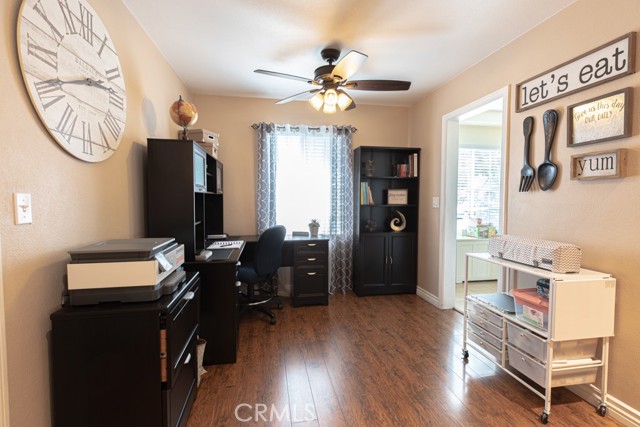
(309, 257)
(218, 307)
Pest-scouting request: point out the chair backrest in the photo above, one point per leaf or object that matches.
(267, 256)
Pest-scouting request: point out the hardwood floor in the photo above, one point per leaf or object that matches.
(373, 361)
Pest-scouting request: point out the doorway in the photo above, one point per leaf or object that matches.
(474, 152)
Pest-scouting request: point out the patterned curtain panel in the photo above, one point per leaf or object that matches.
(306, 173)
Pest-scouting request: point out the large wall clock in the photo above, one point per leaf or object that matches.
(74, 78)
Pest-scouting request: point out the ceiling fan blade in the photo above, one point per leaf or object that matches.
(286, 76)
(351, 106)
(348, 65)
(377, 85)
(302, 95)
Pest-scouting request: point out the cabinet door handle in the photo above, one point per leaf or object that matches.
(311, 259)
(390, 260)
(238, 284)
(311, 244)
(312, 274)
(189, 296)
(188, 359)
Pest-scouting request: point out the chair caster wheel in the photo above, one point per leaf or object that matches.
(272, 321)
(279, 306)
(544, 418)
(602, 410)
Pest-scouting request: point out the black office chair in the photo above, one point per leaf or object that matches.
(261, 274)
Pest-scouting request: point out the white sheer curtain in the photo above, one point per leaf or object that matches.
(306, 173)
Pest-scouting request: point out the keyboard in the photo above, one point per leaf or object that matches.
(226, 244)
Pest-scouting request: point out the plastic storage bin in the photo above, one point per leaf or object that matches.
(536, 346)
(536, 370)
(531, 307)
(542, 287)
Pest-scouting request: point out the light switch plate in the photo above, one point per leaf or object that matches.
(22, 208)
(435, 202)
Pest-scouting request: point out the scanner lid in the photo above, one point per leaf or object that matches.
(122, 249)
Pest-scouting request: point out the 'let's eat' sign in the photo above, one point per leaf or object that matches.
(608, 62)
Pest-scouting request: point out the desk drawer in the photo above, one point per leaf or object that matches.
(182, 323)
(303, 249)
(180, 397)
(312, 259)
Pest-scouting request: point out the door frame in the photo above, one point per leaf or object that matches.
(448, 190)
(4, 378)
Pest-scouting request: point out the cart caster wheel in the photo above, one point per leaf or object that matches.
(465, 354)
(602, 410)
(544, 418)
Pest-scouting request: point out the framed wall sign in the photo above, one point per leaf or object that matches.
(602, 64)
(397, 196)
(600, 119)
(603, 164)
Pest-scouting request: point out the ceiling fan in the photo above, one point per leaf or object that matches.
(331, 80)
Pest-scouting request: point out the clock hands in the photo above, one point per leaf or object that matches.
(87, 82)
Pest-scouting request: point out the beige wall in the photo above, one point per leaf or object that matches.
(232, 119)
(600, 216)
(77, 203)
(74, 203)
(480, 136)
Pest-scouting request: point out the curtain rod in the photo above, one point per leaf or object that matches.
(258, 125)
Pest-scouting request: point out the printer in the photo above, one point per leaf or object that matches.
(124, 270)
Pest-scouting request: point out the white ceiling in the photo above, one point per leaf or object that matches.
(214, 45)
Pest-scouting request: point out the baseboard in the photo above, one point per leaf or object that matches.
(428, 297)
(616, 409)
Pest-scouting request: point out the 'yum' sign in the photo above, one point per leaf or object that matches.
(604, 164)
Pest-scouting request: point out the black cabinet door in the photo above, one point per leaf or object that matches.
(402, 265)
(372, 267)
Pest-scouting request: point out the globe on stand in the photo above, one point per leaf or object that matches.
(183, 114)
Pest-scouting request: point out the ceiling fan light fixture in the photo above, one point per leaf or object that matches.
(328, 108)
(331, 98)
(344, 100)
(317, 101)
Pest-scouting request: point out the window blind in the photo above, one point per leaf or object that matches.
(479, 172)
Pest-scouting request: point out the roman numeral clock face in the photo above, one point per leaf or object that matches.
(72, 73)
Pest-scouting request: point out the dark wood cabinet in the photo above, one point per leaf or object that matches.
(177, 203)
(385, 260)
(126, 364)
(311, 272)
(179, 206)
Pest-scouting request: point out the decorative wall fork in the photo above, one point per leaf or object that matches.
(527, 173)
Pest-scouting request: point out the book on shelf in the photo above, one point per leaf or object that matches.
(366, 196)
(409, 168)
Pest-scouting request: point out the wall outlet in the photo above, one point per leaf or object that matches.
(436, 202)
(22, 208)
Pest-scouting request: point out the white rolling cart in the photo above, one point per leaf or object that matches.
(569, 348)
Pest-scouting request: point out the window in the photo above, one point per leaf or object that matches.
(479, 186)
(306, 173)
(303, 181)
